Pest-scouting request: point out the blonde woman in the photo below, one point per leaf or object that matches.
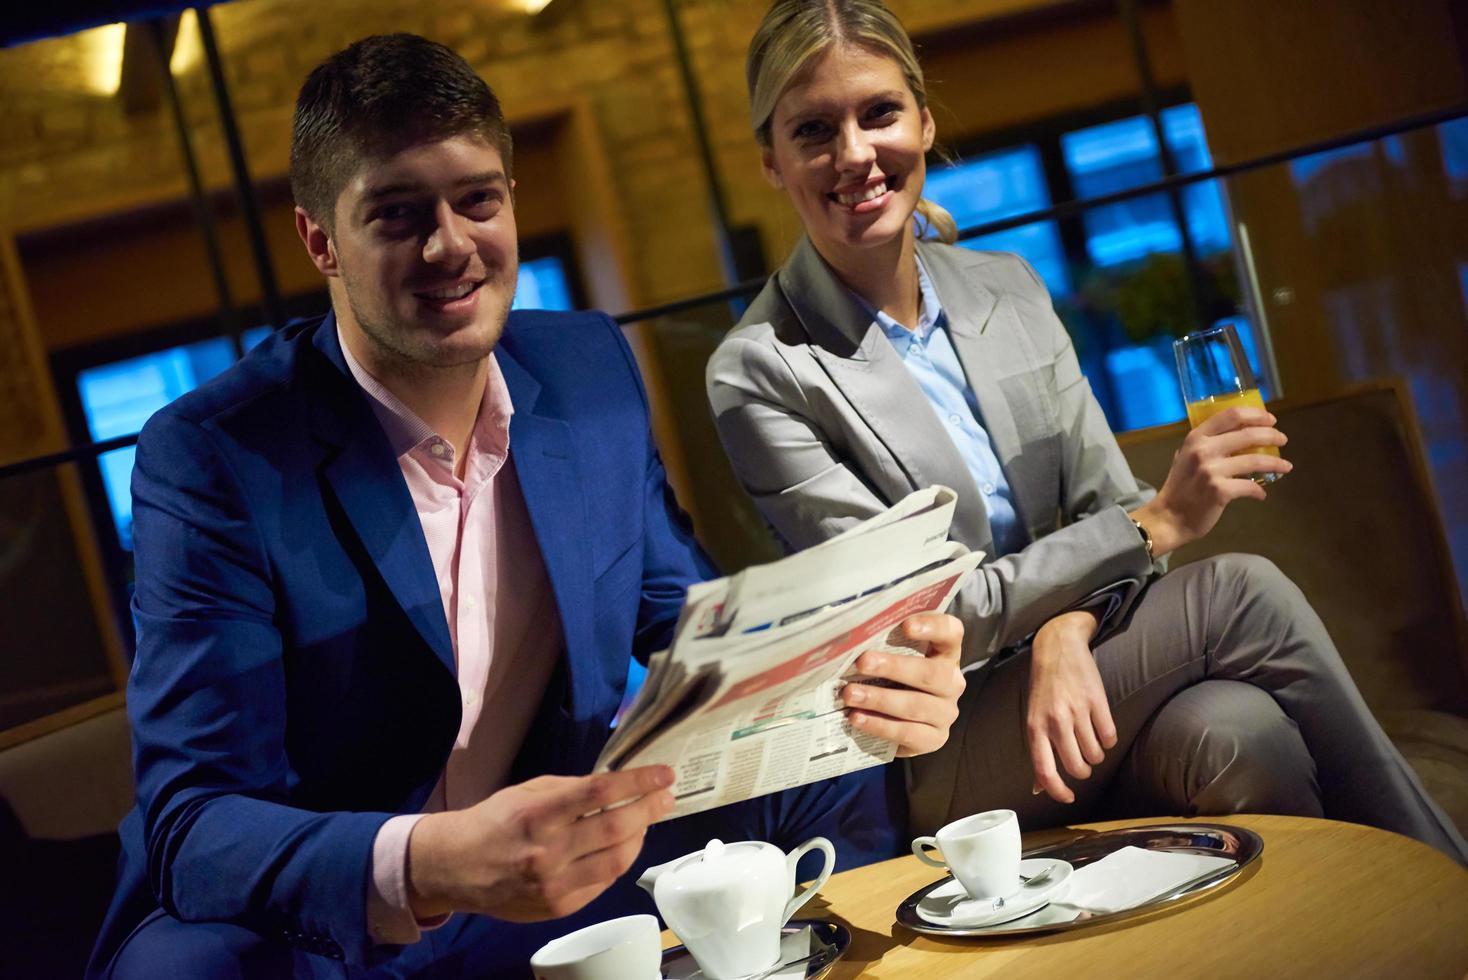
(877, 361)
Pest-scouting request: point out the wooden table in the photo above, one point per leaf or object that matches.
(1325, 899)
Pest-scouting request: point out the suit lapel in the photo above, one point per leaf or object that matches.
(365, 478)
(851, 347)
(550, 479)
(976, 322)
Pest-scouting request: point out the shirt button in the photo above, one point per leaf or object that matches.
(955, 419)
(988, 489)
(470, 698)
(437, 449)
(469, 602)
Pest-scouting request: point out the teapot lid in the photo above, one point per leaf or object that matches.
(718, 862)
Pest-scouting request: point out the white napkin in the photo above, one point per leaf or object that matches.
(1126, 878)
(792, 947)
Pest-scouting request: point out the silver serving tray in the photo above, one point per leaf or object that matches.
(1212, 839)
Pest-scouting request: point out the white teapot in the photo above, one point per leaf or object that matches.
(728, 902)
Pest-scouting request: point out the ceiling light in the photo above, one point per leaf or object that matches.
(188, 48)
(103, 59)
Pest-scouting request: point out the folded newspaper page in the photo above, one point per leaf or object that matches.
(747, 699)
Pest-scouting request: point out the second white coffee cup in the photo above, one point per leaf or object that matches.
(982, 851)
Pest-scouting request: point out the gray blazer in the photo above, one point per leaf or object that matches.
(825, 427)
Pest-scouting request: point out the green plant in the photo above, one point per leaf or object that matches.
(1151, 297)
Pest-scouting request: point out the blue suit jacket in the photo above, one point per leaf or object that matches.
(294, 683)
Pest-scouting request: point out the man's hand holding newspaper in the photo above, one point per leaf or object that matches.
(809, 667)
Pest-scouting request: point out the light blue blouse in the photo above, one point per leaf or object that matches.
(928, 353)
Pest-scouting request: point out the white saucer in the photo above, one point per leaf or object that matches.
(950, 905)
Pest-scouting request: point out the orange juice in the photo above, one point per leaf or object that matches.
(1200, 411)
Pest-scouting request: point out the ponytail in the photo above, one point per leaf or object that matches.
(936, 222)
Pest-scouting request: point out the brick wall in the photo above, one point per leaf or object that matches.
(69, 152)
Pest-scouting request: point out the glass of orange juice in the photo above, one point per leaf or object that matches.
(1216, 375)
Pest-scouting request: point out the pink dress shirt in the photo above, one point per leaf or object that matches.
(501, 615)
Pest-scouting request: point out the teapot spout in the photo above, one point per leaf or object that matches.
(649, 879)
(650, 876)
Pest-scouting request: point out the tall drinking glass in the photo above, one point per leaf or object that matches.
(1215, 375)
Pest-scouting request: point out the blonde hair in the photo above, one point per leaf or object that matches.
(794, 31)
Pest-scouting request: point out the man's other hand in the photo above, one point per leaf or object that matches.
(538, 850)
(918, 714)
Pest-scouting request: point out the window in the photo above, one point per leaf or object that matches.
(118, 397)
(1116, 271)
(996, 186)
(1454, 139)
(543, 285)
(1182, 127)
(1115, 157)
(1120, 155)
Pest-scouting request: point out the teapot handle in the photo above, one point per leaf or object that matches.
(793, 858)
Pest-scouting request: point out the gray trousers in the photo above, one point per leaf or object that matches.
(1228, 697)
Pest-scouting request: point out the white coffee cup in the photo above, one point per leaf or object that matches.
(982, 851)
(629, 948)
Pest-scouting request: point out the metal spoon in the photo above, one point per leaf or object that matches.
(1034, 879)
(1037, 878)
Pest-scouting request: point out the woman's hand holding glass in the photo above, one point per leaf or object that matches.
(1068, 721)
(918, 714)
(1213, 468)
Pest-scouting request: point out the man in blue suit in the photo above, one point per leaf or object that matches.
(390, 572)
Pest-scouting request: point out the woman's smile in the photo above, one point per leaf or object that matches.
(867, 196)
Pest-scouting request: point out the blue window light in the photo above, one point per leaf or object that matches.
(1102, 159)
(118, 398)
(1123, 154)
(1144, 377)
(1000, 185)
(1118, 156)
(1303, 169)
(1453, 135)
(543, 285)
(251, 338)
(1182, 127)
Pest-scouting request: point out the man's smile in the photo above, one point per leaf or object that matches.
(452, 297)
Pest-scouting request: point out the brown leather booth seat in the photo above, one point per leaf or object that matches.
(62, 796)
(1356, 526)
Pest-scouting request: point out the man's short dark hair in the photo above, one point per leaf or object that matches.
(381, 95)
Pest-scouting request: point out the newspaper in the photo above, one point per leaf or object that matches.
(747, 700)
